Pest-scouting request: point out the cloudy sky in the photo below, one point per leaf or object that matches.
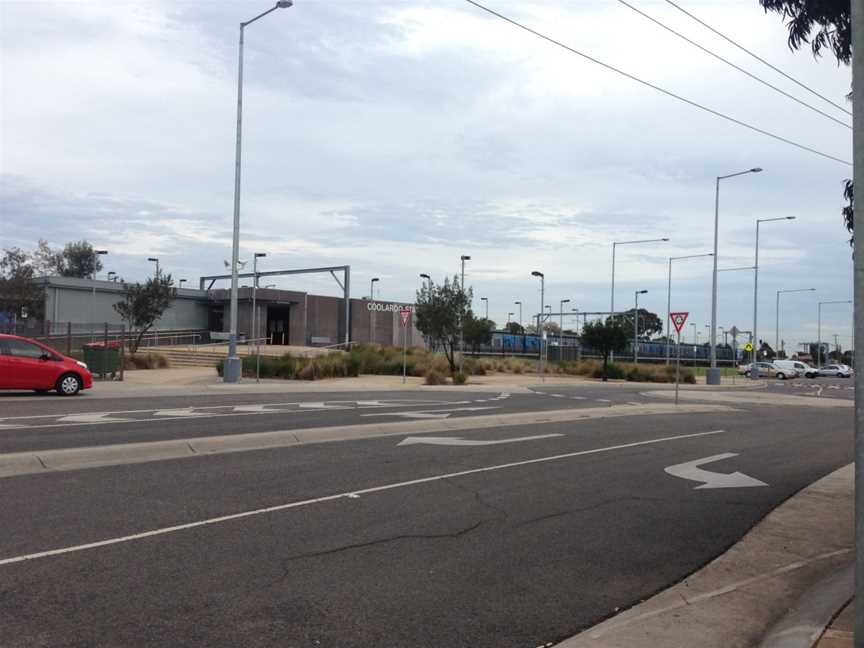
(395, 136)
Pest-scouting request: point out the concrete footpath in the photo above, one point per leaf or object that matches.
(780, 586)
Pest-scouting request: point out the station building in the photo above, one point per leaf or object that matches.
(284, 317)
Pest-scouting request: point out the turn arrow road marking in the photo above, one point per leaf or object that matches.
(691, 470)
(459, 441)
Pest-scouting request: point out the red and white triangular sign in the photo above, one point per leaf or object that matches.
(405, 315)
(678, 320)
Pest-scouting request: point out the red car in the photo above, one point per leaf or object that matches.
(27, 364)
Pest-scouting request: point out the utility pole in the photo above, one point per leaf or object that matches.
(858, 329)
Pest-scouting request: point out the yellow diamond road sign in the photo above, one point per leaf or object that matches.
(748, 347)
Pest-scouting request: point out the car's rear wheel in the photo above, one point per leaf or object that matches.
(68, 385)
(781, 376)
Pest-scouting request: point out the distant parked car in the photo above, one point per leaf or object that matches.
(27, 364)
(769, 370)
(837, 370)
(798, 367)
(744, 369)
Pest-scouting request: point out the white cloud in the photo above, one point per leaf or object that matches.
(397, 136)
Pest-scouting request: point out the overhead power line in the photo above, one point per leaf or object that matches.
(668, 93)
(731, 64)
(759, 58)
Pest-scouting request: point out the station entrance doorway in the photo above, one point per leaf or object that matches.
(277, 324)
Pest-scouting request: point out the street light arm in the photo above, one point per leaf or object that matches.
(259, 16)
(656, 240)
(732, 175)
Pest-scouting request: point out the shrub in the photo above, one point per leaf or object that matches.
(459, 378)
(613, 371)
(474, 367)
(435, 377)
(151, 360)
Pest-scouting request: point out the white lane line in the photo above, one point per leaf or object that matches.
(90, 418)
(179, 413)
(328, 498)
(393, 403)
(602, 400)
(557, 395)
(94, 418)
(578, 398)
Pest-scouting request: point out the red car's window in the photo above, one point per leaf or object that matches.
(23, 349)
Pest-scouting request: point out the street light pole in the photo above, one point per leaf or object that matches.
(519, 304)
(614, 245)
(372, 317)
(754, 371)
(819, 328)
(636, 327)
(540, 318)
(462, 258)
(232, 368)
(156, 261)
(98, 253)
(561, 329)
(777, 321)
(712, 376)
(486, 299)
(427, 278)
(255, 335)
(669, 298)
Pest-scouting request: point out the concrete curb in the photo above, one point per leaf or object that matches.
(27, 463)
(805, 623)
(737, 598)
(768, 398)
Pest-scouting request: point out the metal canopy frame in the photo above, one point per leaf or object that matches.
(345, 285)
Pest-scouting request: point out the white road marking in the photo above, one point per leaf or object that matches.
(579, 398)
(329, 498)
(833, 387)
(179, 412)
(253, 409)
(557, 395)
(690, 470)
(602, 400)
(459, 441)
(93, 418)
(90, 418)
(322, 405)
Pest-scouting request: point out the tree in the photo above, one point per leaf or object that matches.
(143, 306)
(47, 261)
(20, 297)
(823, 24)
(477, 331)
(514, 328)
(79, 260)
(605, 337)
(649, 323)
(438, 311)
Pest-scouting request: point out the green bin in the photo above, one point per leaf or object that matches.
(101, 358)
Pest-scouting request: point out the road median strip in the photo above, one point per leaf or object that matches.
(35, 462)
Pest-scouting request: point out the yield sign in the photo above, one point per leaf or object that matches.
(678, 320)
(405, 315)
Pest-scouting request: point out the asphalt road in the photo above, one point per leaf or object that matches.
(376, 542)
